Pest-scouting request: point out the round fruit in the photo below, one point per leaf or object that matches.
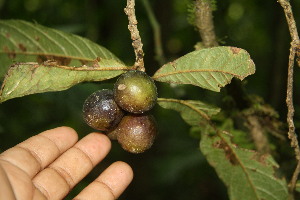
(101, 112)
(136, 133)
(113, 134)
(135, 92)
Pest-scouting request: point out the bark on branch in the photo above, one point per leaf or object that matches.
(135, 36)
(294, 49)
(204, 23)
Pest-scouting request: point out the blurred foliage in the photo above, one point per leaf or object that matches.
(174, 168)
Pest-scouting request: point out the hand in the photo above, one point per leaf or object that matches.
(50, 164)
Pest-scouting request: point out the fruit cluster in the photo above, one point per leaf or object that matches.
(122, 112)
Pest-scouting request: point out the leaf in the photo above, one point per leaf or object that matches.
(29, 78)
(297, 186)
(210, 68)
(247, 175)
(22, 41)
(195, 113)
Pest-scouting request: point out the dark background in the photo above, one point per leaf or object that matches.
(173, 168)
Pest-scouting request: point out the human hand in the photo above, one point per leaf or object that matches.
(50, 164)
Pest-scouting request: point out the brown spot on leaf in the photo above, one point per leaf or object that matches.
(37, 38)
(84, 62)
(41, 59)
(235, 50)
(11, 53)
(98, 59)
(96, 62)
(5, 49)
(7, 35)
(260, 158)
(50, 63)
(229, 154)
(22, 47)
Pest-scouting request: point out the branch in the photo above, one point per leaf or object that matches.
(135, 36)
(204, 23)
(289, 101)
(289, 96)
(287, 8)
(157, 34)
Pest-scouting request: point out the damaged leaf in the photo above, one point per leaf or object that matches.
(29, 78)
(22, 41)
(210, 68)
(247, 175)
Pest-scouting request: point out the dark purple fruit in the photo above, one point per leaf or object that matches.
(136, 133)
(135, 92)
(101, 112)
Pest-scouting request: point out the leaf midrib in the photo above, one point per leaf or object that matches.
(240, 163)
(50, 54)
(157, 76)
(75, 68)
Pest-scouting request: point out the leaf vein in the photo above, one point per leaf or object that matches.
(157, 76)
(91, 50)
(24, 34)
(68, 40)
(46, 35)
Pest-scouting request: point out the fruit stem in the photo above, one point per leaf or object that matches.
(135, 36)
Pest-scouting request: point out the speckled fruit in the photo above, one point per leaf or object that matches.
(136, 133)
(135, 92)
(101, 112)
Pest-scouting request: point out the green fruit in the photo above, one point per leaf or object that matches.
(135, 92)
(101, 112)
(136, 133)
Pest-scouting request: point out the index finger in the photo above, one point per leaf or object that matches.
(37, 152)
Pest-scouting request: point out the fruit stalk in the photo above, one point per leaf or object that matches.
(135, 36)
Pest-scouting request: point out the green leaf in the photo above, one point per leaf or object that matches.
(21, 41)
(210, 68)
(247, 175)
(29, 78)
(195, 113)
(298, 186)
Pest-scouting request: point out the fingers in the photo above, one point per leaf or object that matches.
(39, 151)
(6, 191)
(65, 172)
(110, 184)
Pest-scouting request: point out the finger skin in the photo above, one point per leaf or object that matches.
(35, 153)
(20, 181)
(67, 170)
(110, 184)
(6, 191)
